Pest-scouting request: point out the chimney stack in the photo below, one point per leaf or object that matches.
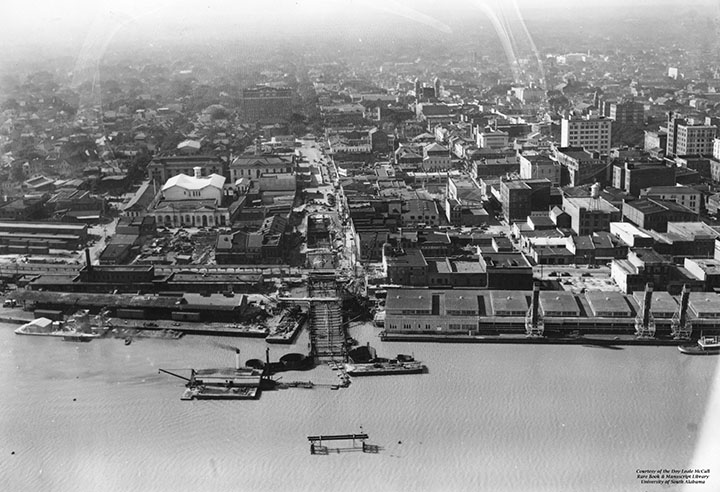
(197, 170)
(237, 359)
(88, 261)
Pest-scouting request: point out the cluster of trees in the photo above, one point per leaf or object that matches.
(557, 101)
(627, 135)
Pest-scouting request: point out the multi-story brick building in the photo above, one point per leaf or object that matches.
(265, 104)
(633, 176)
(683, 195)
(590, 214)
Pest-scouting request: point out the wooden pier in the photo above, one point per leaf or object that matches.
(326, 327)
(317, 447)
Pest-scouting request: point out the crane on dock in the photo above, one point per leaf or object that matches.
(534, 322)
(681, 325)
(644, 321)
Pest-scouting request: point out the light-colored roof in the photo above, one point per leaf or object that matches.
(705, 304)
(670, 190)
(627, 228)
(191, 144)
(192, 183)
(461, 301)
(435, 147)
(608, 303)
(558, 303)
(663, 304)
(504, 302)
(592, 204)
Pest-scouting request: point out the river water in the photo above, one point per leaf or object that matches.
(98, 416)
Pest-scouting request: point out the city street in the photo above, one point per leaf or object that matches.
(346, 258)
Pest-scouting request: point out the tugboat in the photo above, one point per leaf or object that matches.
(705, 346)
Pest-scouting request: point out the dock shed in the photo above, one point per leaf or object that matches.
(509, 302)
(663, 304)
(461, 303)
(705, 304)
(608, 304)
(559, 303)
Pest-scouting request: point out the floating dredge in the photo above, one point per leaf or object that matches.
(242, 382)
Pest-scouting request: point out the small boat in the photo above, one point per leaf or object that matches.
(128, 341)
(705, 346)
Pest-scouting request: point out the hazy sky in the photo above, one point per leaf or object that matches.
(58, 21)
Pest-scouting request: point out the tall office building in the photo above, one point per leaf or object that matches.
(591, 132)
(266, 104)
(626, 113)
(716, 149)
(695, 139)
(674, 120)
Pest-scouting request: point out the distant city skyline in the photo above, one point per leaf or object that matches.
(38, 21)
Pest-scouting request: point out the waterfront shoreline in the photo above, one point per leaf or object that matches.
(13, 320)
(611, 340)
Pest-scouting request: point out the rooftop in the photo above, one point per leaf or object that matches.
(705, 304)
(261, 160)
(192, 183)
(409, 300)
(186, 159)
(411, 257)
(461, 301)
(467, 267)
(608, 304)
(670, 190)
(594, 204)
(709, 266)
(508, 302)
(505, 260)
(663, 304)
(693, 230)
(41, 226)
(559, 303)
(628, 228)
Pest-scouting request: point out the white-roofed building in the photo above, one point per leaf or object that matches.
(189, 146)
(192, 201)
(183, 187)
